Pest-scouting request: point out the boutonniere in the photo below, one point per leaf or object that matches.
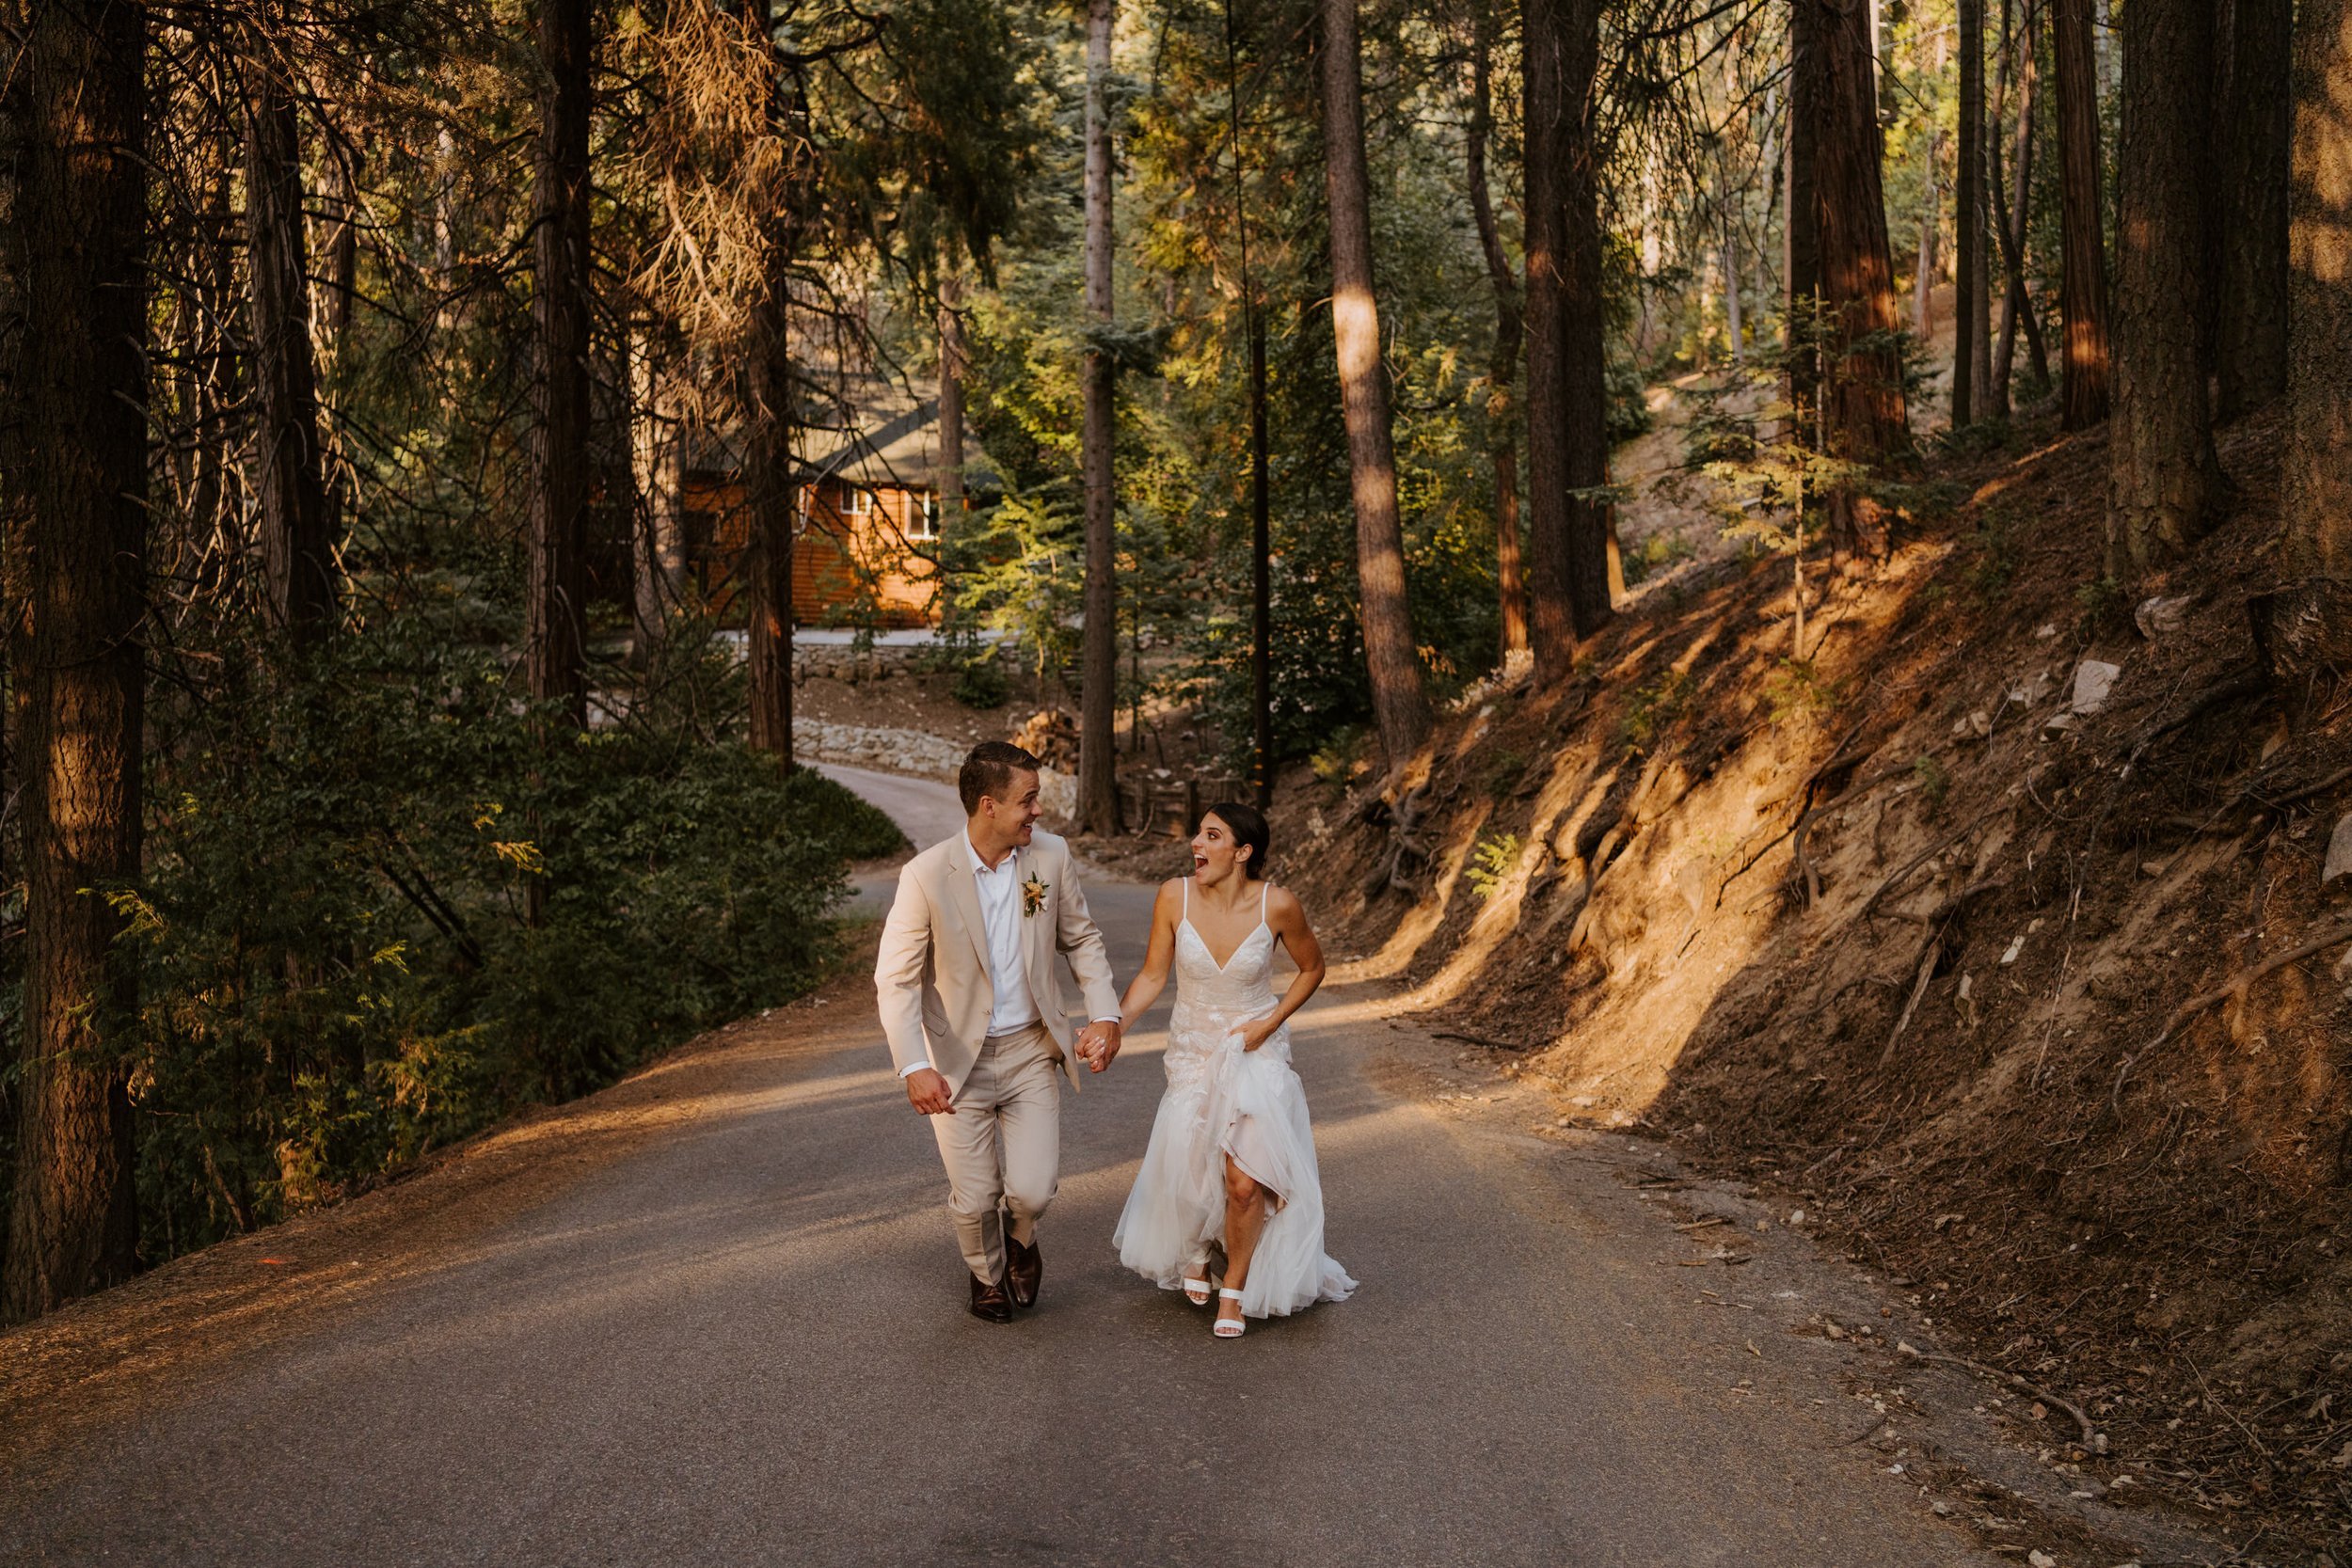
(1032, 897)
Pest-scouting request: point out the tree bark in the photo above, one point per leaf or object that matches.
(554, 639)
(1972, 369)
(1923, 279)
(1804, 378)
(1567, 405)
(2317, 481)
(2083, 289)
(657, 453)
(78, 94)
(1400, 706)
(954, 363)
(1865, 419)
(1098, 686)
(2164, 478)
(289, 472)
(1502, 365)
(2019, 63)
(2252, 111)
(775, 487)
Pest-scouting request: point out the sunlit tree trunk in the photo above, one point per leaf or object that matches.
(1098, 693)
(2252, 106)
(76, 97)
(1502, 365)
(2318, 500)
(2083, 289)
(554, 639)
(1802, 374)
(658, 455)
(290, 474)
(1400, 706)
(2164, 479)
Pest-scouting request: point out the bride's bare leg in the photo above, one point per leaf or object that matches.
(1245, 1218)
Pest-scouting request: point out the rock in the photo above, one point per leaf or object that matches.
(2094, 680)
(1058, 796)
(2161, 617)
(2338, 851)
(2043, 632)
(2042, 1559)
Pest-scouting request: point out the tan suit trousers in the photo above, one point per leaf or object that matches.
(1003, 1146)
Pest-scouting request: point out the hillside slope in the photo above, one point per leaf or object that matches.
(2036, 1009)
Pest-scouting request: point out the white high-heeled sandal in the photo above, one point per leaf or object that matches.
(1228, 1328)
(1197, 1289)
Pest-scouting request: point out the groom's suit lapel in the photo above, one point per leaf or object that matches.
(967, 901)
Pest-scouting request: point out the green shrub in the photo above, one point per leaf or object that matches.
(1652, 708)
(378, 915)
(1490, 862)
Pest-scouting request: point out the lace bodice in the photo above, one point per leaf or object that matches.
(1213, 1001)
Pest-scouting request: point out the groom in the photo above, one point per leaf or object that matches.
(971, 1005)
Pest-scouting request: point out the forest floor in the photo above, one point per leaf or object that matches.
(2037, 1006)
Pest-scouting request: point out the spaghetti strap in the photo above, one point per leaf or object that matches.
(1263, 888)
(1188, 898)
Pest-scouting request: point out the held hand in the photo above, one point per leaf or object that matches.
(1257, 1032)
(927, 1091)
(1098, 1043)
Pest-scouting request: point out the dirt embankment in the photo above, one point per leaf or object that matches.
(2034, 1008)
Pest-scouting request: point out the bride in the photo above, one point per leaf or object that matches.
(1231, 1160)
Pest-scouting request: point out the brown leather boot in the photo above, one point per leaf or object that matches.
(989, 1302)
(1024, 1267)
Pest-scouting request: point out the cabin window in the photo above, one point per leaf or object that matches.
(923, 517)
(857, 502)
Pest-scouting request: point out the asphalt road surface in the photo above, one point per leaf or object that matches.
(745, 1343)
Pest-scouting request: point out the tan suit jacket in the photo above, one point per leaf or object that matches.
(931, 974)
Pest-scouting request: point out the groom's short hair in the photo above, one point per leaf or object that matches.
(988, 769)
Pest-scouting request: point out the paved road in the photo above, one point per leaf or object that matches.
(744, 1344)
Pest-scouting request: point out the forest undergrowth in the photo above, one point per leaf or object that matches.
(2035, 1004)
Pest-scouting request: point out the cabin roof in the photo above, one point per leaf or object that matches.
(872, 431)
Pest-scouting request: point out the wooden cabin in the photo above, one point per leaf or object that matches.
(866, 524)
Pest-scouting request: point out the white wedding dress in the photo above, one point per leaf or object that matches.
(1222, 1100)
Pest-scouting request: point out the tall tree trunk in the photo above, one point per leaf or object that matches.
(78, 94)
(1502, 365)
(1568, 406)
(776, 487)
(657, 453)
(1972, 369)
(1866, 419)
(2021, 65)
(1801, 377)
(554, 640)
(2252, 109)
(1400, 708)
(1098, 687)
(2164, 479)
(954, 364)
(2317, 481)
(2083, 287)
(1923, 279)
(1261, 478)
(297, 549)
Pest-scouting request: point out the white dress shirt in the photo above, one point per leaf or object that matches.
(1000, 913)
(1014, 1007)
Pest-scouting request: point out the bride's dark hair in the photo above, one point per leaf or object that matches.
(1248, 825)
